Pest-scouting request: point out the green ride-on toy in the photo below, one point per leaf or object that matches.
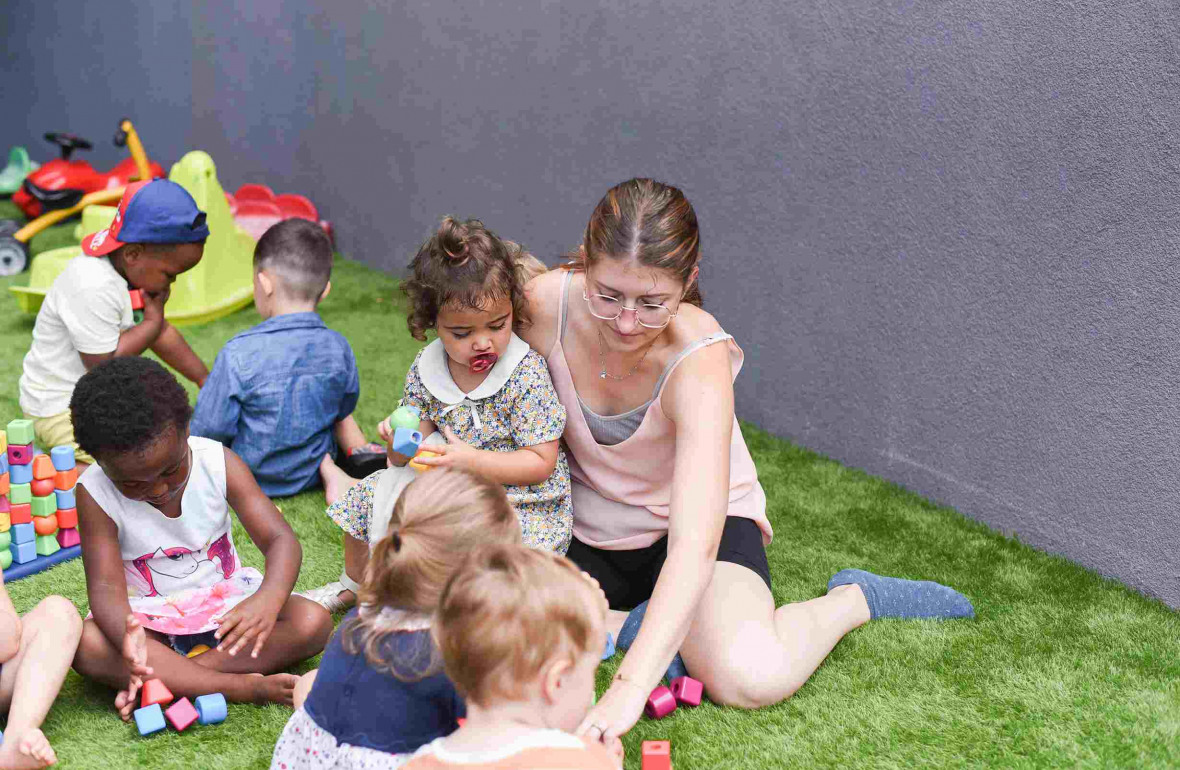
(19, 166)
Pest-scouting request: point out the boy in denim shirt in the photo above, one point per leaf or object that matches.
(281, 395)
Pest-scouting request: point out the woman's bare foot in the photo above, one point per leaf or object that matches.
(336, 482)
(276, 688)
(26, 750)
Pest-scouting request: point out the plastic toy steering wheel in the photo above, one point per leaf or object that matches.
(68, 143)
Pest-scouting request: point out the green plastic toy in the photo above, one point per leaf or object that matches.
(19, 166)
(404, 417)
(221, 283)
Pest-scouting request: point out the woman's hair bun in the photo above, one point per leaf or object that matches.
(452, 238)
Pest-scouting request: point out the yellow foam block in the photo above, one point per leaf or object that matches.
(5, 522)
(419, 466)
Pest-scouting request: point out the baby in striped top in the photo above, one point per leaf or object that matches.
(520, 632)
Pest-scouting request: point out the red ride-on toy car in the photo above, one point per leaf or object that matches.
(255, 208)
(61, 183)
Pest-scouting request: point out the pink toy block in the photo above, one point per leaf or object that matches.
(20, 454)
(687, 691)
(660, 703)
(181, 714)
(657, 755)
(68, 537)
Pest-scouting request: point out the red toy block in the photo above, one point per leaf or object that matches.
(20, 454)
(68, 537)
(4, 483)
(657, 755)
(660, 703)
(43, 467)
(45, 525)
(687, 691)
(155, 691)
(41, 487)
(181, 714)
(67, 518)
(20, 513)
(136, 298)
(65, 480)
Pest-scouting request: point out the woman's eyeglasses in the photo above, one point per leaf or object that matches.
(609, 308)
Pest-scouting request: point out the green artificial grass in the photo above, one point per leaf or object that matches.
(1060, 668)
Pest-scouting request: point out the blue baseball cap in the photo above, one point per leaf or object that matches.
(154, 211)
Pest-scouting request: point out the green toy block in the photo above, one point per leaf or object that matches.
(20, 432)
(404, 417)
(5, 540)
(45, 506)
(47, 545)
(20, 493)
(5, 558)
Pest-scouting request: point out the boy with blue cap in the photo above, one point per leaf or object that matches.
(86, 318)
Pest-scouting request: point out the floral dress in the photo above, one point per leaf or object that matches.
(513, 408)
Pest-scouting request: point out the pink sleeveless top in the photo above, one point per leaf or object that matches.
(621, 492)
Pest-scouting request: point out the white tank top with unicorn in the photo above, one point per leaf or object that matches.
(183, 573)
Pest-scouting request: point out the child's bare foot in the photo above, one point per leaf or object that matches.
(26, 751)
(276, 688)
(336, 481)
(126, 703)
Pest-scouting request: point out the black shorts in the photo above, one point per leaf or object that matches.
(629, 577)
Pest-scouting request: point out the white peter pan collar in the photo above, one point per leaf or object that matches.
(436, 376)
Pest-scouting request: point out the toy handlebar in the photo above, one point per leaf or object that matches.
(126, 136)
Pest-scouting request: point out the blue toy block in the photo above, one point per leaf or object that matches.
(4, 461)
(406, 441)
(22, 553)
(211, 709)
(18, 571)
(66, 499)
(149, 719)
(63, 457)
(23, 533)
(610, 646)
(20, 474)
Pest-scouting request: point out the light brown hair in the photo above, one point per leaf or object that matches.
(467, 265)
(507, 613)
(438, 520)
(651, 223)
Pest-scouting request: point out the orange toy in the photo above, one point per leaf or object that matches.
(422, 453)
(155, 691)
(67, 518)
(45, 525)
(65, 480)
(43, 467)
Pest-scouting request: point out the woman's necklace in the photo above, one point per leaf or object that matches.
(603, 373)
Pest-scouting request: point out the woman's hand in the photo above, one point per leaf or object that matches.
(456, 453)
(253, 619)
(615, 713)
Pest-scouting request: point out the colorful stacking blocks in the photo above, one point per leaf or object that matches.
(657, 755)
(136, 305)
(37, 502)
(155, 692)
(404, 417)
(406, 441)
(660, 703)
(181, 714)
(211, 709)
(149, 719)
(687, 691)
(422, 453)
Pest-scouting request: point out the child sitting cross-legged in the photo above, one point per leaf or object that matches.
(162, 573)
(521, 636)
(380, 692)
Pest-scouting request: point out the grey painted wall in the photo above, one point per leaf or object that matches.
(945, 233)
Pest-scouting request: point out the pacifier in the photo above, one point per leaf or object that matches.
(483, 362)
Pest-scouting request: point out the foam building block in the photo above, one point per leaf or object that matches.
(4, 458)
(687, 691)
(5, 523)
(23, 553)
(67, 518)
(5, 541)
(20, 474)
(5, 506)
(45, 525)
(610, 647)
(63, 457)
(149, 719)
(65, 498)
(20, 513)
(660, 703)
(419, 466)
(155, 692)
(181, 714)
(5, 559)
(47, 545)
(43, 467)
(44, 506)
(21, 454)
(406, 441)
(23, 533)
(657, 755)
(20, 493)
(66, 479)
(211, 709)
(20, 432)
(404, 417)
(5, 483)
(42, 487)
(3, 441)
(67, 538)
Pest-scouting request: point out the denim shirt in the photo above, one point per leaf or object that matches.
(274, 396)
